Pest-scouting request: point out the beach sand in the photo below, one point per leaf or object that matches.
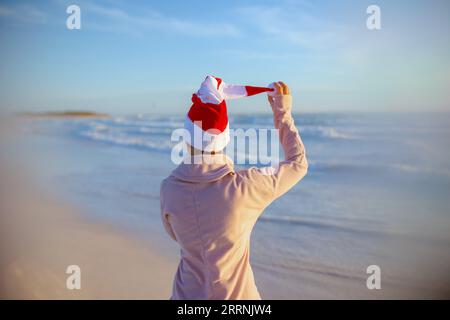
(41, 237)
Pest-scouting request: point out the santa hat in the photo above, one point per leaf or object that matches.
(207, 119)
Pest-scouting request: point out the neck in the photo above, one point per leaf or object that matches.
(205, 158)
(193, 152)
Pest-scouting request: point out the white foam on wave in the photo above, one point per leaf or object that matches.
(147, 122)
(126, 140)
(334, 133)
(130, 131)
(420, 169)
(329, 132)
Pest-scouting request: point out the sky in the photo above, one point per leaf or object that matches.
(150, 56)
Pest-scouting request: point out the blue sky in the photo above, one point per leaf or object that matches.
(149, 56)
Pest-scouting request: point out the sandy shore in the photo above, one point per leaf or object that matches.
(40, 238)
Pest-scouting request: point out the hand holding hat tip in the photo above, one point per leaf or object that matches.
(280, 88)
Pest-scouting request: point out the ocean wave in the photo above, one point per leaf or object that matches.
(374, 168)
(148, 131)
(127, 140)
(295, 220)
(153, 133)
(327, 132)
(408, 168)
(372, 229)
(334, 133)
(126, 128)
(145, 122)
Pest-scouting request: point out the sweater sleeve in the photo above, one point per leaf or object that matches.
(268, 183)
(165, 217)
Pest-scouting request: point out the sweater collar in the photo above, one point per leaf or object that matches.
(204, 168)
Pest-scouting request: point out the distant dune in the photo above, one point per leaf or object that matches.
(65, 114)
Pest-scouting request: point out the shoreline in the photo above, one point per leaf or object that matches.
(64, 115)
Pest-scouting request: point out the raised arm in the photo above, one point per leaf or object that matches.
(266, 184)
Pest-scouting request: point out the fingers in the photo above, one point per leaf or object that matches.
(285, 88)
(281, 88)
(278, 88)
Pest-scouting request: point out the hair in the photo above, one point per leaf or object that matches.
(194, 151)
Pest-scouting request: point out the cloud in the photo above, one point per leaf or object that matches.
(23, 13)
(291, 25)
(254, 54)
(121, 20)
(5, 11)
(102, 17)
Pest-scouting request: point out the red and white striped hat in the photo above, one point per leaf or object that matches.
(208, 113)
